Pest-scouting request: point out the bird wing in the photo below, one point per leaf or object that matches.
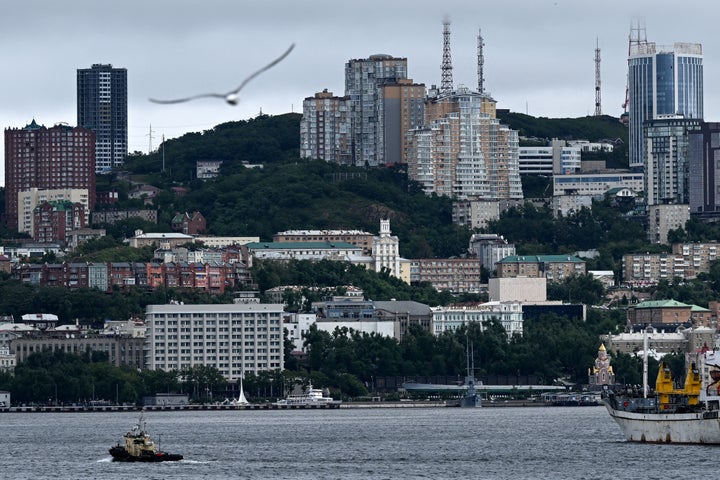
(224, 96)
(181, 100)
(266, 67)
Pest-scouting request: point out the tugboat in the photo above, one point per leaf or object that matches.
(139, 447)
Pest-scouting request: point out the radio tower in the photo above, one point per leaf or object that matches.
(636, 37)
(481, 63)
(598, 107)
(446, 84)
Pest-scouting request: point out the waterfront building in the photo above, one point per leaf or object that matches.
(452, 317)
(236, 339)
(56, 158)
(602, 372)
(102, 107)
(662, 80)
(122, 350)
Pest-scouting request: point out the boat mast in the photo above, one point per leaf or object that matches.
(645, 362)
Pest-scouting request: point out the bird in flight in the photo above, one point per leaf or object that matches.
(232, 96)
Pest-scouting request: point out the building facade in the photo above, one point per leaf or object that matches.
(102, 107)
(234, 338)
(558, 158)
(29, 199)
(666, 162)
(358, 238)
(555, 268)
(704, 171)
(450, 318)
(326, 128)
(463, 151)
(662, 80)
(364, 79)
(665, 217)
(456, 275)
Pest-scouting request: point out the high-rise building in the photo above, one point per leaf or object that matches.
(102, 107)
(704, 171)
(465, 152)
(364, 79)
(666, 159)
(402, 109)
(61, 157)
(662, 80)
(325, 128)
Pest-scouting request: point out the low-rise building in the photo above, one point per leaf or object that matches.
(555, 268)
(450, 318)
(457, 275)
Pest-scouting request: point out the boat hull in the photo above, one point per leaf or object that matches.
(701, 427)
(119, 454)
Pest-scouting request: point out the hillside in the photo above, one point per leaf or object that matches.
(290, 193)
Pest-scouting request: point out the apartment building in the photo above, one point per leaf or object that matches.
(236, 338)
(555, 268)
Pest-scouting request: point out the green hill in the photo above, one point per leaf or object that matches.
(291, 193)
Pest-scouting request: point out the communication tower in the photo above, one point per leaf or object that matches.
(446, 84)
(598, 106)
(481, 63)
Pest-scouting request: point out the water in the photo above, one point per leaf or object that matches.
(392, 443)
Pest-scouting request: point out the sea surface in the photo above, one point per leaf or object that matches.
(376, 443)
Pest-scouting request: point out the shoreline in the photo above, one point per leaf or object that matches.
(264, 406)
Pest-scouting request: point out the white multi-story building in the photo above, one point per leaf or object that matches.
(234, 338)
(386, 250)
(31, 198)
(596, 184)
(490, 249)
(509, 314)
(558, 158)
(465, 152)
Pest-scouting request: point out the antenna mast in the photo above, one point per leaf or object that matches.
(598, 106)
(150, 136)
(446, 84)
(481, 63)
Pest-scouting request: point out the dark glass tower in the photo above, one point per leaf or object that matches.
(102, 107)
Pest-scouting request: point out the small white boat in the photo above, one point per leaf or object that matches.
(312, 397)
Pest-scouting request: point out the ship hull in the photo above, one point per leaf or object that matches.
(701, 427)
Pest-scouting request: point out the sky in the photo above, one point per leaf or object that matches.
(539, 54)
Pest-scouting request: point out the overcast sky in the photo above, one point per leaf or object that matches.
(539, 54)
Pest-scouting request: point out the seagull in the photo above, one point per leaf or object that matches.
(232, 96)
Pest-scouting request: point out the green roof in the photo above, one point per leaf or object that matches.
(661, 304)
(542, 259)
